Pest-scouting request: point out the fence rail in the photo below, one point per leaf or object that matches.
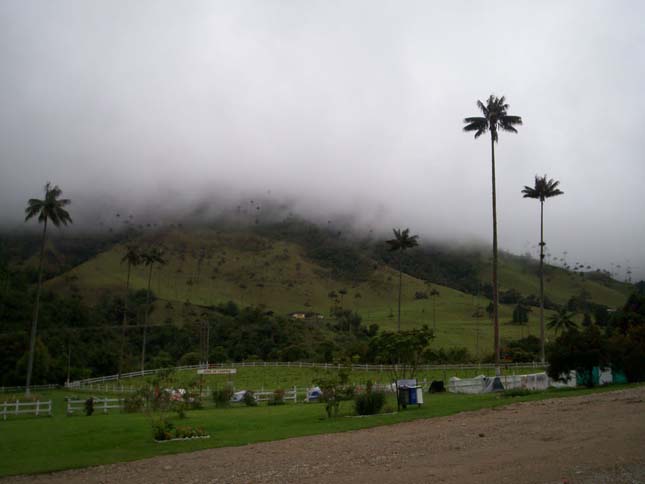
(303, 364)
(35, 388)
(104, 404)
(17, 408)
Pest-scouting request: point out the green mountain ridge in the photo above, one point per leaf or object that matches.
(294, 267)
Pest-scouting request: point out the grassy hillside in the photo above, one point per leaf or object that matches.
(560, 285)
(206, 267)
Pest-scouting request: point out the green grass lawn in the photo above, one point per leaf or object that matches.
(42, 444)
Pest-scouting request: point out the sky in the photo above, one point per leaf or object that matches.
(343, 108)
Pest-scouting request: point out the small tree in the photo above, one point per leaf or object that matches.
(404, 351)
(335, 388)
(580, 351)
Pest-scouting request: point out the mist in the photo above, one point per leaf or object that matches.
(331, 109)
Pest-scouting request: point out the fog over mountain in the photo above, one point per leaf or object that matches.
(335, 108)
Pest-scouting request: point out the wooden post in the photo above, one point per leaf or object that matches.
(17, 406)
(37, 407)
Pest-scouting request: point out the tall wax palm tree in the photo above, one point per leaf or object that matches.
(401, 242)
(132, 257)
(149, 259)
(562, 321)
(495, 118)
(51, 208)
(542, 189)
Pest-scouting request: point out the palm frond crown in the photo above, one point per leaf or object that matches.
(50, 208)
(495, 117)
(543, 188)
(402, 240)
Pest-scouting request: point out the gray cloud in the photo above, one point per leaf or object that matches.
(347, 107)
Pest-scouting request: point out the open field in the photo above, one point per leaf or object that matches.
(32, 445)
(532, 440)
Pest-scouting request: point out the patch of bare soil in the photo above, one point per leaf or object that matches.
(597, 438)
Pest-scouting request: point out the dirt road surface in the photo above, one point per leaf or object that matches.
(596, 438)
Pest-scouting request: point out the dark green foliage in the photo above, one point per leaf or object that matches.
(628, 340)
(135, 402)
(579, 350)
(521, 314)
(335, 388)
(448, 356)
(278, 397)
(249, 399)
(516, 392)
(369, 403)
(89, 406)
(522, 350)
(222, 396)
(162, 429)
(407, 349)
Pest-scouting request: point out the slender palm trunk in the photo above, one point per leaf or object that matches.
(145, 322)
(400, 284)
(495, 288)
(542, 281)
(434, 314)
(34, 324)
(125, 320)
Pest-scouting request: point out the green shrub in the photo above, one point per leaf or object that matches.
(369, 403)
(89, 406)
(516, 392)
(249, 399)
(187, 432)
(222, 396)
(135, 402)
(162, 429)
(278, 397)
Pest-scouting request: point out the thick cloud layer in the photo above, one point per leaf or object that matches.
(346, 107)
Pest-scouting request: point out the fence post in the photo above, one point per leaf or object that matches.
(4, 411)
(17, 407)
(37, 407)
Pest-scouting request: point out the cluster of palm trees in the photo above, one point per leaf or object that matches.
(134, 256)
(495, 118)
(51, 209)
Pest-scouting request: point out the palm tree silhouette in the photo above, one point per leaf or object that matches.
(51, 208)
(402, 241)
(561, 321)
(541, 190)
(149, 258)
(132, 257)
(495, 118)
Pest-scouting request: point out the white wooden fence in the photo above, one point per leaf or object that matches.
(304, 364)
(104, 404)
(17, 408)
(262, 396)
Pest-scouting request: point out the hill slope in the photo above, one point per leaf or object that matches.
(206, 267)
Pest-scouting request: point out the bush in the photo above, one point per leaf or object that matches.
(249, 399)
(162, 429)
(278, 397)
(516, 392)
(369, 403)
(188, 432)
(222, 396)
(135, 402)
(89, 406)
